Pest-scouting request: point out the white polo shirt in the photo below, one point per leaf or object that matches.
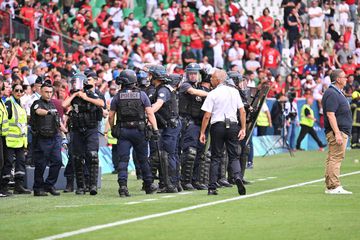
(223, 102)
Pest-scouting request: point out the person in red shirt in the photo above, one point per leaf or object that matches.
(190, 16)
(350, 67)
(196, 44)
(107, 32)
(257, 33)
(164, 36)
(27, 13)
(86, 5)
(271, 59)
(102, 15)
(186, 29)
(5, 19)
(241, 37)
(347, 33)
(266, 21)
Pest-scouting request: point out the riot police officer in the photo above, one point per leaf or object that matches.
(131, 107)
(191, 97)
(86, 112)
(166, 112)
(46, 147)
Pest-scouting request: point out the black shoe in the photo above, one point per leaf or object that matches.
(187, 186)
(212, 192)
(250, 166)
(93, 190)
(224, 183)
(151, 189)
(19, 189)
(231, 181)
(218, 185)
(80, 191)
(114, 172)
(240, 186)
(5, 191)
(52, 191)
(69, 186)
(179, 188)
(200, 186)
(40, 193)
(246, 182)
(171, 189)
(124, 192)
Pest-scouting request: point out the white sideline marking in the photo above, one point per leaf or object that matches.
(184, 193)
(149, 200)
(168, 196)
(132, 203)
(181, 210)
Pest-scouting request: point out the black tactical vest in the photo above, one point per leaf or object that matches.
(190, 105)
(168, 114)
(48, 125)
(84, 115)
(130, 108)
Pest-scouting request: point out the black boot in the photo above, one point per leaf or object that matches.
(150, 188)
(4, 188)
(187, 169)
(52, 191)
(40, 193)
(19, 188)
(94, 171)
(123, 191)
(79, 174)
(69, 185)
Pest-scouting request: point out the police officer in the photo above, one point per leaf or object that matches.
(45, 123)
(131, 107)
(191, 97)
(166, 111)
(86, 112)
(4, 129)
(223, 105)
(16, 142)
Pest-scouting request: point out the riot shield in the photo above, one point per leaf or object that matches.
(256, 98)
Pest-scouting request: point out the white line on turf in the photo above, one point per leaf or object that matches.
(132, 203)
(149, 200)
(168, 196)
(181, 210)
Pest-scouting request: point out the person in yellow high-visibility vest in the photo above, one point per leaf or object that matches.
(355, 131)
(4, 129)
(307, 123)
(264, 120)
(16, 141)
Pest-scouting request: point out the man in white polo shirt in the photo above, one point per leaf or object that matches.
(222, 106)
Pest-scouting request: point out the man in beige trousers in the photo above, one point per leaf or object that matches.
(338, 120)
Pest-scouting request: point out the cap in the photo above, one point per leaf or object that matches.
(91, 74)
(24, 68)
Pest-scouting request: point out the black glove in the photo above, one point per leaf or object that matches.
(156, 135)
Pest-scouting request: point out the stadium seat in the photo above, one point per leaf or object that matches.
(139, 12)
(127, 11)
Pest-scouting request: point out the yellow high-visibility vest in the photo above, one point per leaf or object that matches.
(111, 139)
(17, 134)
(262, 120)
(4, 121)
(305, 120)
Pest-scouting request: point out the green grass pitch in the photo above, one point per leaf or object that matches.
(298, 213)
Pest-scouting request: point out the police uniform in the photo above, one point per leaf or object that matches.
(16, 142)
(129, 105)
(46, 146)
(192, 150)
(85, 117)
(4, 129)
(167, 118)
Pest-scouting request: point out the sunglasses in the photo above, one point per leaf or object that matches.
(19, 90)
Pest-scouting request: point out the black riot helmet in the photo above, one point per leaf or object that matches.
(126, 77)
(142, 78)
(158, 72)
(235, 76)
(193, 69)
(175, 79)
(78, 81)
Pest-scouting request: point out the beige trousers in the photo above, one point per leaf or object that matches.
(335, 155)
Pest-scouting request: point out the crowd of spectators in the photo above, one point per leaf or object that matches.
(308, 42)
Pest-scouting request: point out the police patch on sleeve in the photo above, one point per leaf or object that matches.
(161, 95)
(36, 106)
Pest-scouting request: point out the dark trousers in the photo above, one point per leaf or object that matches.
(169, 143)
(305, 130)
(114, 155)
(83, 143)
(261, 131)
(220, 137)
(46, 151)
(136, 139)
(355, 135)
(3, 156)
(19, 159)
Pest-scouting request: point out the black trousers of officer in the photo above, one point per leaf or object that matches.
(3, 156)
(84, 148)
(19, 160)
(355, 136)
(220, 137)
(46, 151)
(305, 130)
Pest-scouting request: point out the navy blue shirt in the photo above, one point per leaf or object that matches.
(334, 101)
(144, 99)
(164, 94)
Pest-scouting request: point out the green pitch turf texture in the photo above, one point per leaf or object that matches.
(299, 213)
